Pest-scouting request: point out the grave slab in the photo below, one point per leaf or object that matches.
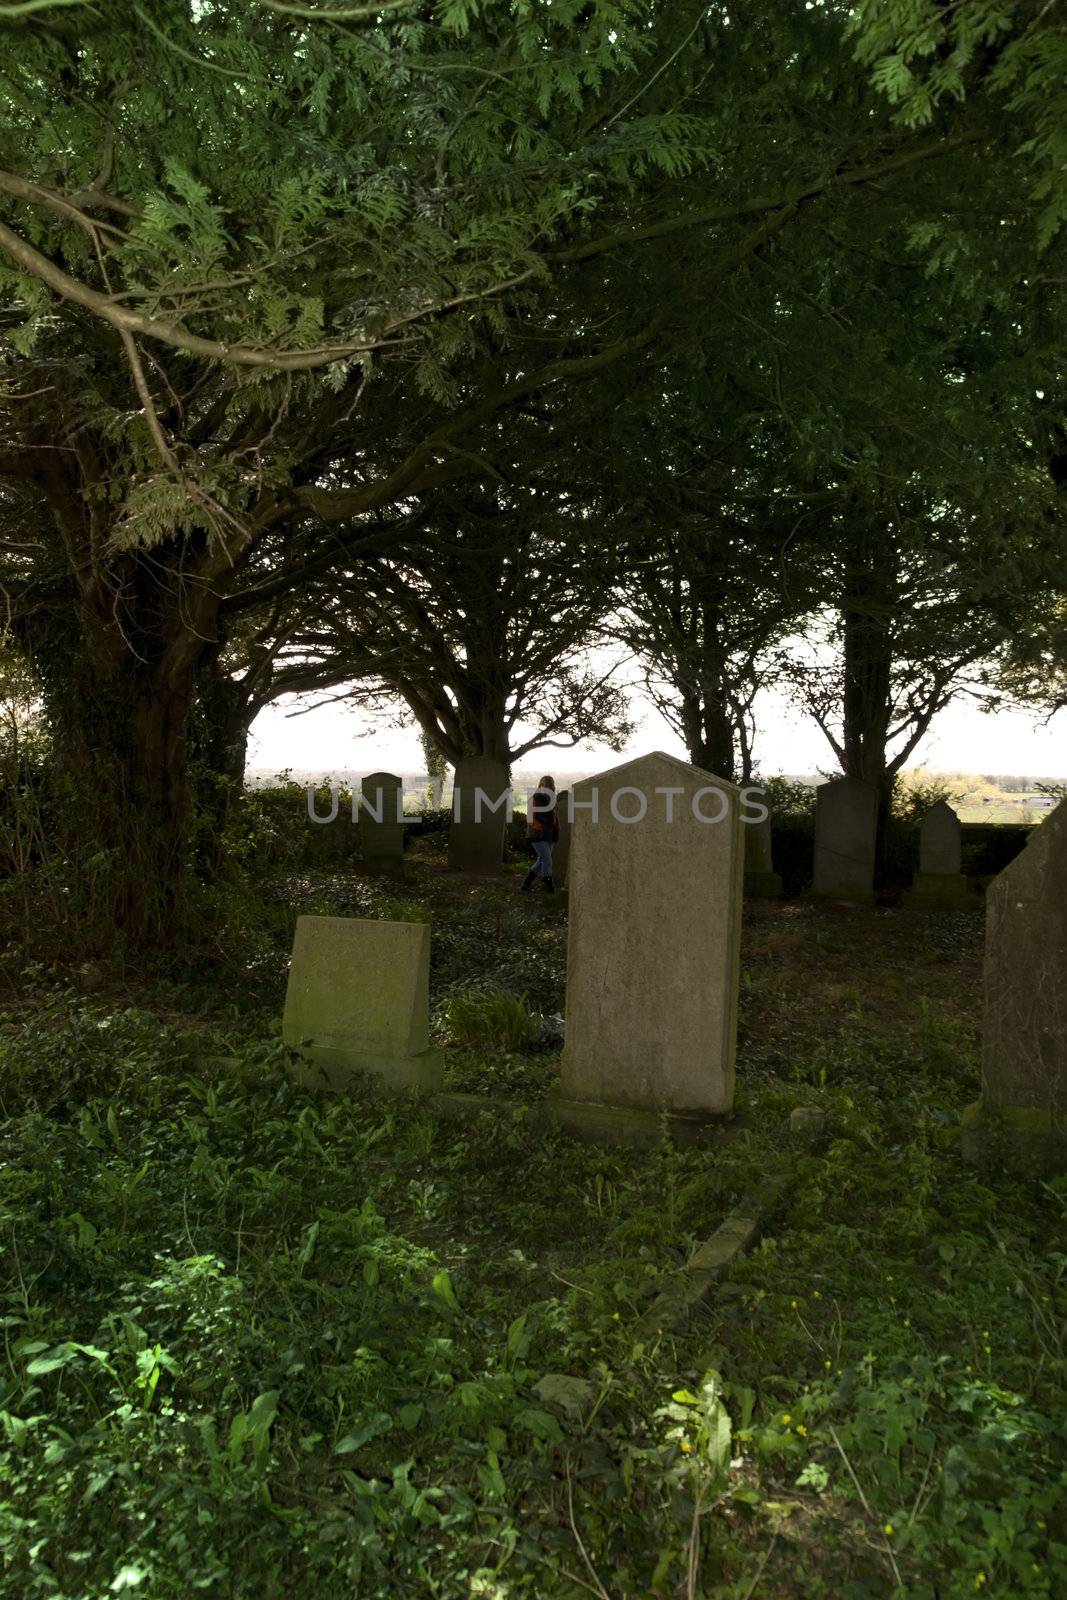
(476, 830)
(381, 824)
(1023, 1108)
(846, 824)
(358, 1001)
(939, 882)
(653, 941)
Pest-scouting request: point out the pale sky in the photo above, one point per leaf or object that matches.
(962, 739)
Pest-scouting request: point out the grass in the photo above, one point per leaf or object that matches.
(260, 1346)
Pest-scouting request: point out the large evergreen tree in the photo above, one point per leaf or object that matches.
(271, 270)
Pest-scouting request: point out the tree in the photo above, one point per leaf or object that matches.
(481, 628)
(247, 247)
(923, 54)
(259, 215)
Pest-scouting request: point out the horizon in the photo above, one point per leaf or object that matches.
(1010, 742)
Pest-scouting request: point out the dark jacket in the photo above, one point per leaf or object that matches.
(544, 829)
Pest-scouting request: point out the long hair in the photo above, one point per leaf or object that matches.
(548, 783)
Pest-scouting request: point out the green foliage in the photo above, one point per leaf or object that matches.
(917, 793)
(490, 1017)
(787, 797)
(922, 54)
(265, 1345)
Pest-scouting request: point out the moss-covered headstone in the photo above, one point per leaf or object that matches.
(358, 1001)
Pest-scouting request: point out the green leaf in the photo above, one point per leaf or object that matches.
(572, 1395)
(373, 1427)
(442, 1288)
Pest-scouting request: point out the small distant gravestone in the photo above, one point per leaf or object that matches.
(761, 880)
(846, 829)
(561, 852)
(358, 1001)
(653, 941)
(1024, 1030)
(481, 811)
(381, 821)
(939, 881)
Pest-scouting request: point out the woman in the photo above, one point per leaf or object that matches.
(542, 831)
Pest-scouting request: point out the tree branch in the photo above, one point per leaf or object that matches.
(62, 284)
(753, 207)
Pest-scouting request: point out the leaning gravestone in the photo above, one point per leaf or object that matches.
(761, 880)
(358, 1001)
(381, 819)
(1024, 1032)
(939, 881)
(846, 828)
(481, 802)
(653, 942)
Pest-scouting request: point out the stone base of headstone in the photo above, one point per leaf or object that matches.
(605, 1124)
(853, 897)
(1020, 1137)
(335, 1071)
(761, 885)
(942, 891)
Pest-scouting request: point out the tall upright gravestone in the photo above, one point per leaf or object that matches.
(358, 1001)
(1024, 1028)
(939, 881)
(481, 801)
(846, 831)
(653, 946)
(381, 820)
(761, 879)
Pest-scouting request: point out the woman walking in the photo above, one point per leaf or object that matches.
(542, 831)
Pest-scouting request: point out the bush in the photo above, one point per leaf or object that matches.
(270, 828)
(493, 1018)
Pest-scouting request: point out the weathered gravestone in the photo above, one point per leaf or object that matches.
(481, 811)
(1024, 1031)
(561, 852)
(381, 819)
(653, 945)
(846, 827)
(939, 881)
(760, 877)
(358, 1001)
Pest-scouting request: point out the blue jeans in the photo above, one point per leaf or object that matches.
(543, 864)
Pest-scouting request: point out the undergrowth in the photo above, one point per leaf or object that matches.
(257, 1346)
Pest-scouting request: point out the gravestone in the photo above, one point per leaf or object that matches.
(939, 881)
(381, 821)
(761, 880)
(358, 1001)
(481, 811)
(846, 827)
(561, 853)
(1024, 1032)
(653, 941)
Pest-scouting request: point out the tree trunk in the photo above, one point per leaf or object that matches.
(221, 720)
(868, 603)
(120, 696)
(709, 728)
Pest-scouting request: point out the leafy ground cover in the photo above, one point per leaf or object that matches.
(256, 1345)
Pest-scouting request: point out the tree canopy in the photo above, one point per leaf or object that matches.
(278, 279)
